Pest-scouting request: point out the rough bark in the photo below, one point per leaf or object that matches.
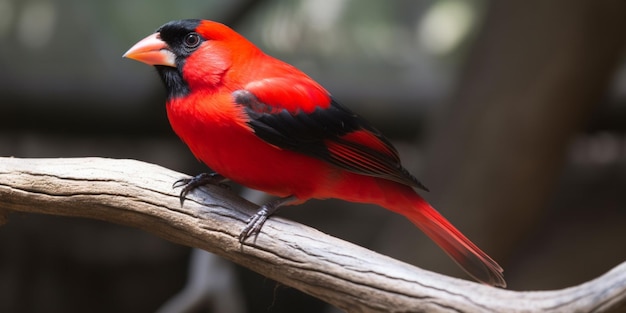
(140, 195)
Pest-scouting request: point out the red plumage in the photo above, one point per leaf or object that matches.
(266, 125)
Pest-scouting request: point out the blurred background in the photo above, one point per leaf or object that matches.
(511, 112)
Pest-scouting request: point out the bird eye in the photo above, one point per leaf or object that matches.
(192, 40)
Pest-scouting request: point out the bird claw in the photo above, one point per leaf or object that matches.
(256, 221)
(190, 184)
(254, 224)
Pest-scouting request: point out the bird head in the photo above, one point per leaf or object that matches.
(191, 54)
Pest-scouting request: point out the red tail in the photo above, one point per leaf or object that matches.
(465, 253)
(404, 200)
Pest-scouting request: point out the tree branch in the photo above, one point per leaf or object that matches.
(140, 195)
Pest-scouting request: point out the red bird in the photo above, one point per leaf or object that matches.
(266, 125)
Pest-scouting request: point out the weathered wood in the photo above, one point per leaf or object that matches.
(350, 277)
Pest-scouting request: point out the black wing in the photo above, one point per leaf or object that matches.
(334, 134)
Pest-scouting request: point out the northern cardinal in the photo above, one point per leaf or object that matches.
(266, 125)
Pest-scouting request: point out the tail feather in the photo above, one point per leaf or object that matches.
(405, 200)
(464, 252)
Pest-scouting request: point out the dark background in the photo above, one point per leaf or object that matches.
(511, 112)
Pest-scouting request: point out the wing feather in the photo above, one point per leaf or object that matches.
(329, 131)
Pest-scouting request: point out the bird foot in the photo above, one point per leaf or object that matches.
(256, 221)
(190, 184)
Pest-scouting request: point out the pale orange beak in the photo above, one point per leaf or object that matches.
(152, 51)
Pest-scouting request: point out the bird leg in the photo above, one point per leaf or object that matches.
(256, 221)
(199, 180)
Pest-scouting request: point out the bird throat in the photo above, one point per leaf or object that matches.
(175, 84)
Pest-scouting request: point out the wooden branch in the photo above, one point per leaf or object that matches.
(355, 279)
